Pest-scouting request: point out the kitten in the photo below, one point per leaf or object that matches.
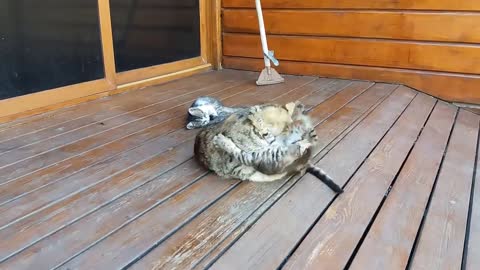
(207, 111)
(266, 143)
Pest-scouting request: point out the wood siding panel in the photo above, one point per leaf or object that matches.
(366, 52)
(473, 5)
(429, 26)
(446, 86)
(431, 45)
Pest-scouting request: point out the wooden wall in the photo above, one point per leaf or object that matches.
(430, 45)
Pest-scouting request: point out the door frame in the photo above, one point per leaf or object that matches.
(114, 83)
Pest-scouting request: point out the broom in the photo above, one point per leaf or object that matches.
(268, 75)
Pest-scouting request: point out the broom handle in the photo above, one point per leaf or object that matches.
(263, 35)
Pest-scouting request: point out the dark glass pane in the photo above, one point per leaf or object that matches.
(153, 32)
(46, 44)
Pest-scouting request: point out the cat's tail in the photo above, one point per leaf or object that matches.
(320, 174)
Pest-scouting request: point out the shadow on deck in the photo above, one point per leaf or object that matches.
(112, 184)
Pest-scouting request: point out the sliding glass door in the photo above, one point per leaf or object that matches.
(83, 49)
(147, 33)
(48, 44)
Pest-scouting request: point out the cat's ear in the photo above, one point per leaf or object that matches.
(195, 111)
(299, 107)
(290, 107)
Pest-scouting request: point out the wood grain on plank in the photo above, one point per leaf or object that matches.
(446, 86)
(428, 26)
(31, 181)
(314, 93)
(115, 107)
(162, 169)
(59, 170)
(104, 170)
(334, 237)
(58, 191)
(98, 133)
(366, 52)
(107, 187)
(441, 241)
(118, 134)
(187, 247)
(124, 245)
(220, 248)
(62, 245)
(269, 241)
(473, 251)
(76, 206)
(392, 235)
(151, 94)
(472, 5)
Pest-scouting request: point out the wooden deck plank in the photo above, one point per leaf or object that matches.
(198, 238)
(160, 222)
(334, 237)
(19, 168)
(218, 250)
(102, 171)
(99, 133)
(76, 242)
(441, 241)
(392, 235)
(108, 107)
(157, 222)
(115, 110)
(24, 225)
(149, 95)
(59, 247)
(15, 187)
(37, 179)
(60, 214)
(85, 202)
(130, 214)
(305, 96)
(268, 93)
(472, 260)
(269, 241)
(141, 200)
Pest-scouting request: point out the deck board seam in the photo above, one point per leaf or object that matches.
(167, 235)
(392, 184)
(110, 142)
(296, 246)
(323, 152)
(326, 117)
(153, 103)
(470, 206)
(425, 212)
(280, 193)
(69, 195)
(112, 128)
(164, 135)
(86, 188)
(98, 102)
(113, 102)
(93, 210)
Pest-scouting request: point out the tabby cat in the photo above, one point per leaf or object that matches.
(262, 144)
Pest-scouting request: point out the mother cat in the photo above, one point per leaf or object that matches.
(262, 144)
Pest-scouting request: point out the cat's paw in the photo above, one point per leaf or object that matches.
(269, 138)
(222, 142)
(303, 146)
(313, 134)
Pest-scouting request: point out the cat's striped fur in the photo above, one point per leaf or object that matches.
(266, 143)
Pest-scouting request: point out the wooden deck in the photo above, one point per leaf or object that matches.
(111, 184)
